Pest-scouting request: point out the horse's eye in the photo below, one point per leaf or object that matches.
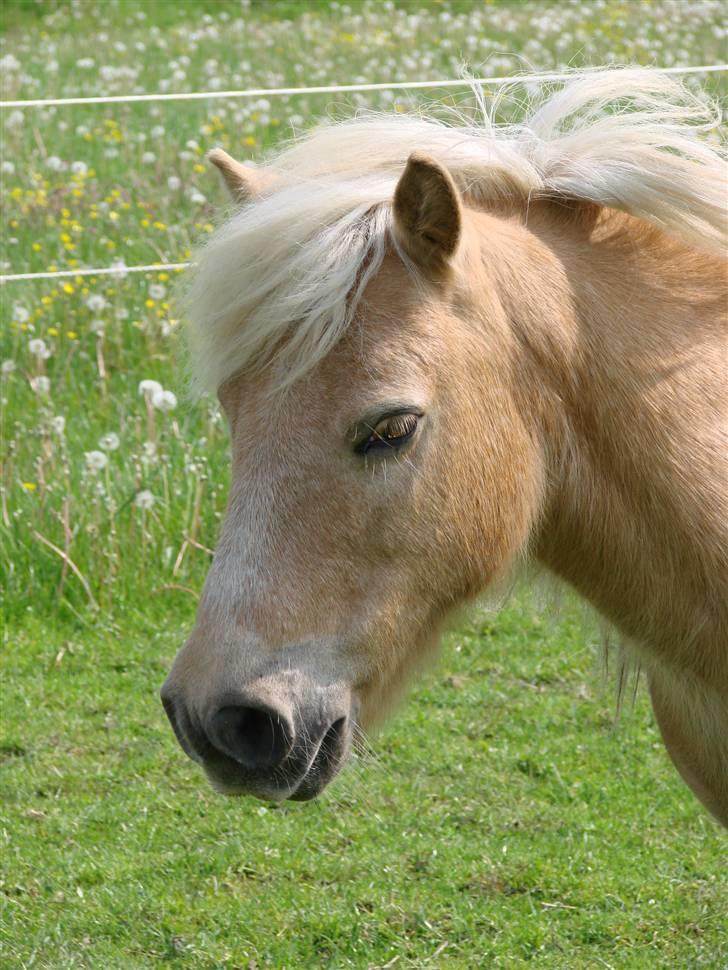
(389, 433)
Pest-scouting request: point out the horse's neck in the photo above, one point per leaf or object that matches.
(634, 421)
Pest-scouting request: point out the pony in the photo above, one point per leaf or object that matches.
(446, 349)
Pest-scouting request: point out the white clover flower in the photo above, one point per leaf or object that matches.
(39, 348)
(157, 291)
(109, 442)
(96, 461)
(85, 63)
(144, 499)
(174, 182)
(95, 302)
(157, 131)
(58, 424)
(54, 163)
(164, 400)
(20, 314)
(149, 388)
(79, 168)
(41, 385)
(7, 367)
(197, 197)
(82, 130)
(7, 168)
(149, 158)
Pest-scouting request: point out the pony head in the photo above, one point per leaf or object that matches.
(375, 320)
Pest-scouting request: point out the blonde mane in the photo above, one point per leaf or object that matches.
(294, 262)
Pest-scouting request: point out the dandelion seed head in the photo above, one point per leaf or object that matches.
(96, 461)
(15, 120)
(148, 388)
(39, 348)
(9, 63)
(164, 400)
(144, 499)
(96, 302)
(41, 385)
(109, 442)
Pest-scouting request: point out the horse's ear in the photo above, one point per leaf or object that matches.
(427, 214)
(243, 182)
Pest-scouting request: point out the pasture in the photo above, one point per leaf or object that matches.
(507, 815)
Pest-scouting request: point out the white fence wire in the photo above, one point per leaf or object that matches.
(333, 88)
(122, 270)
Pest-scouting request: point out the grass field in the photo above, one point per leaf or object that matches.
(505, 818)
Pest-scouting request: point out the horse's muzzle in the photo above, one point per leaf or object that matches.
(249, 745)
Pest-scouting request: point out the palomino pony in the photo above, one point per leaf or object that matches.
(443, 350)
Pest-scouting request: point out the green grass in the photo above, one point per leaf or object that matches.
(503, 819)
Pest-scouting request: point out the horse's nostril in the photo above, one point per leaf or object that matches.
(256, 737)
(332, 739)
